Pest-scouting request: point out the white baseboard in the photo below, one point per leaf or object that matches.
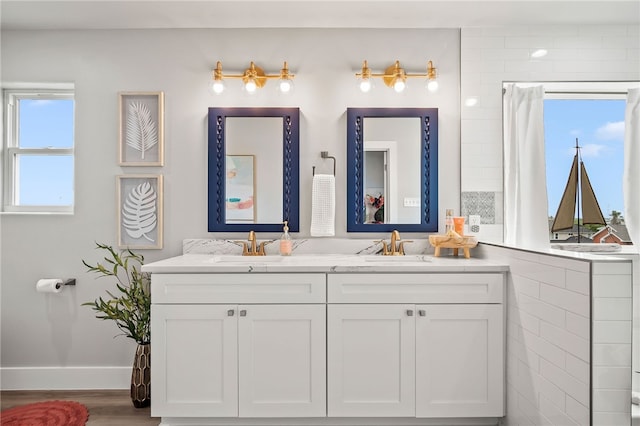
(64, 378)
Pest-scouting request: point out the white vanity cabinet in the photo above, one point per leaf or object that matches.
(219, 352)
(460, 360)
(371, 361)
(415, 345)
(330, 344)
(197, 345)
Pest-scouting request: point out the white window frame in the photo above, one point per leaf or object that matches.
(12, 149)
(578, 90)
(581, 89)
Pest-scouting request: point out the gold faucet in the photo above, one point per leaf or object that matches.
(395, 247)
(252, 249)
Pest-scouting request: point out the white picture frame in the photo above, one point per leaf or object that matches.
(139, 201)
(141, 128)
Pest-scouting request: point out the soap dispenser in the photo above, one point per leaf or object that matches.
(286, 245)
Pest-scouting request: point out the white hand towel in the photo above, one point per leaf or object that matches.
(323, 206)
(635, 398)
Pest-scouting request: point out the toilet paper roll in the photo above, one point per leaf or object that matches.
(49, 285)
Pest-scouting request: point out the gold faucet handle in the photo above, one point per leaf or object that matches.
(245, 247)
(401, 245)
(385, 250)
(261, 247)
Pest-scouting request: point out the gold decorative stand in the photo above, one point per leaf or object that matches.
(453, 241)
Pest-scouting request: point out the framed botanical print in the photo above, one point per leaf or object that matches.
(139, 204)
(141, 137)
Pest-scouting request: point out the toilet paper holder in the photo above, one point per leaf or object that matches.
(53, 285)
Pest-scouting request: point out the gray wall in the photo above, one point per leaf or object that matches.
(54, 330)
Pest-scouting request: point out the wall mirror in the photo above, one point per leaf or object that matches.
(392, 172)
(253, 181)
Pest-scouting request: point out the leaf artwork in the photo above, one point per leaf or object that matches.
(142, 132)
(139, 211)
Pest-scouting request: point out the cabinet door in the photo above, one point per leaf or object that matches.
(459, 361)
(195, 354)
(371, 360)
(282, 360)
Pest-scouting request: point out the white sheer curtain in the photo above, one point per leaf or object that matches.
(631, 174)
(526, 221)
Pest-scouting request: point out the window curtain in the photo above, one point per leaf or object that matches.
(526, 221)
(631, 173)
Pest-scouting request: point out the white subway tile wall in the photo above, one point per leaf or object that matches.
(491, 56)
(612, 330)
(553, 359)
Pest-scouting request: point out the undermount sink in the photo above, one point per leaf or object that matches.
(246, 259)
(397, 259)
(320, 259)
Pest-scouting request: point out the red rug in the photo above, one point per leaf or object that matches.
(48, 413)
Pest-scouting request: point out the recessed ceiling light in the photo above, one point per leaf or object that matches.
(539, 53)
(471, 101)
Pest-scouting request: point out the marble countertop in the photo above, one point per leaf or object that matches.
(216, 263)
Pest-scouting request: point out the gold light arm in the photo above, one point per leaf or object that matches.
(255, 74)
(431, 71)
(284, 72)
(217, 72)
(393, 74)
(366, 71)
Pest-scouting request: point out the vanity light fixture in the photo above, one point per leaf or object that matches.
(253, 78)
(395, 77)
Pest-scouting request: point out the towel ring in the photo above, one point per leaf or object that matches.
(325, 154)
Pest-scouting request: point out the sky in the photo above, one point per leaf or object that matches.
(599, 127)
(46, 180)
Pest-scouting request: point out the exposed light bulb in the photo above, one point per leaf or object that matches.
(250, 86)
(432, 85)
(217, 86)
(399, 85)
(286, 79)
(365, 85)
(286, 85)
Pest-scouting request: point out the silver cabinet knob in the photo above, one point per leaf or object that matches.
(409, 312)
(230, 312)
(243, 313)
(422, 312)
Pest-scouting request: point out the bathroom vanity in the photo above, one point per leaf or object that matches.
(327, 340)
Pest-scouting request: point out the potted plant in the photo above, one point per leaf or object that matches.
(130, 308)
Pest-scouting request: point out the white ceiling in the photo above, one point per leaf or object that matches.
(121, 14)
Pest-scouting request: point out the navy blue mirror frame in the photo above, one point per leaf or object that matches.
(428, 166)
(290, 166)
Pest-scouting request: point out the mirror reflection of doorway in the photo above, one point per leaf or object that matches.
(375, 182)
(379, 184)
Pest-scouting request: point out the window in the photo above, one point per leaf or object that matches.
(594, 116)
(38, 151)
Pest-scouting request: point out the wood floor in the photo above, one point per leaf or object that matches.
(106, 407)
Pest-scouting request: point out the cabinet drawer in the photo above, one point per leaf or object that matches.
(415, 288)
(238, 288)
